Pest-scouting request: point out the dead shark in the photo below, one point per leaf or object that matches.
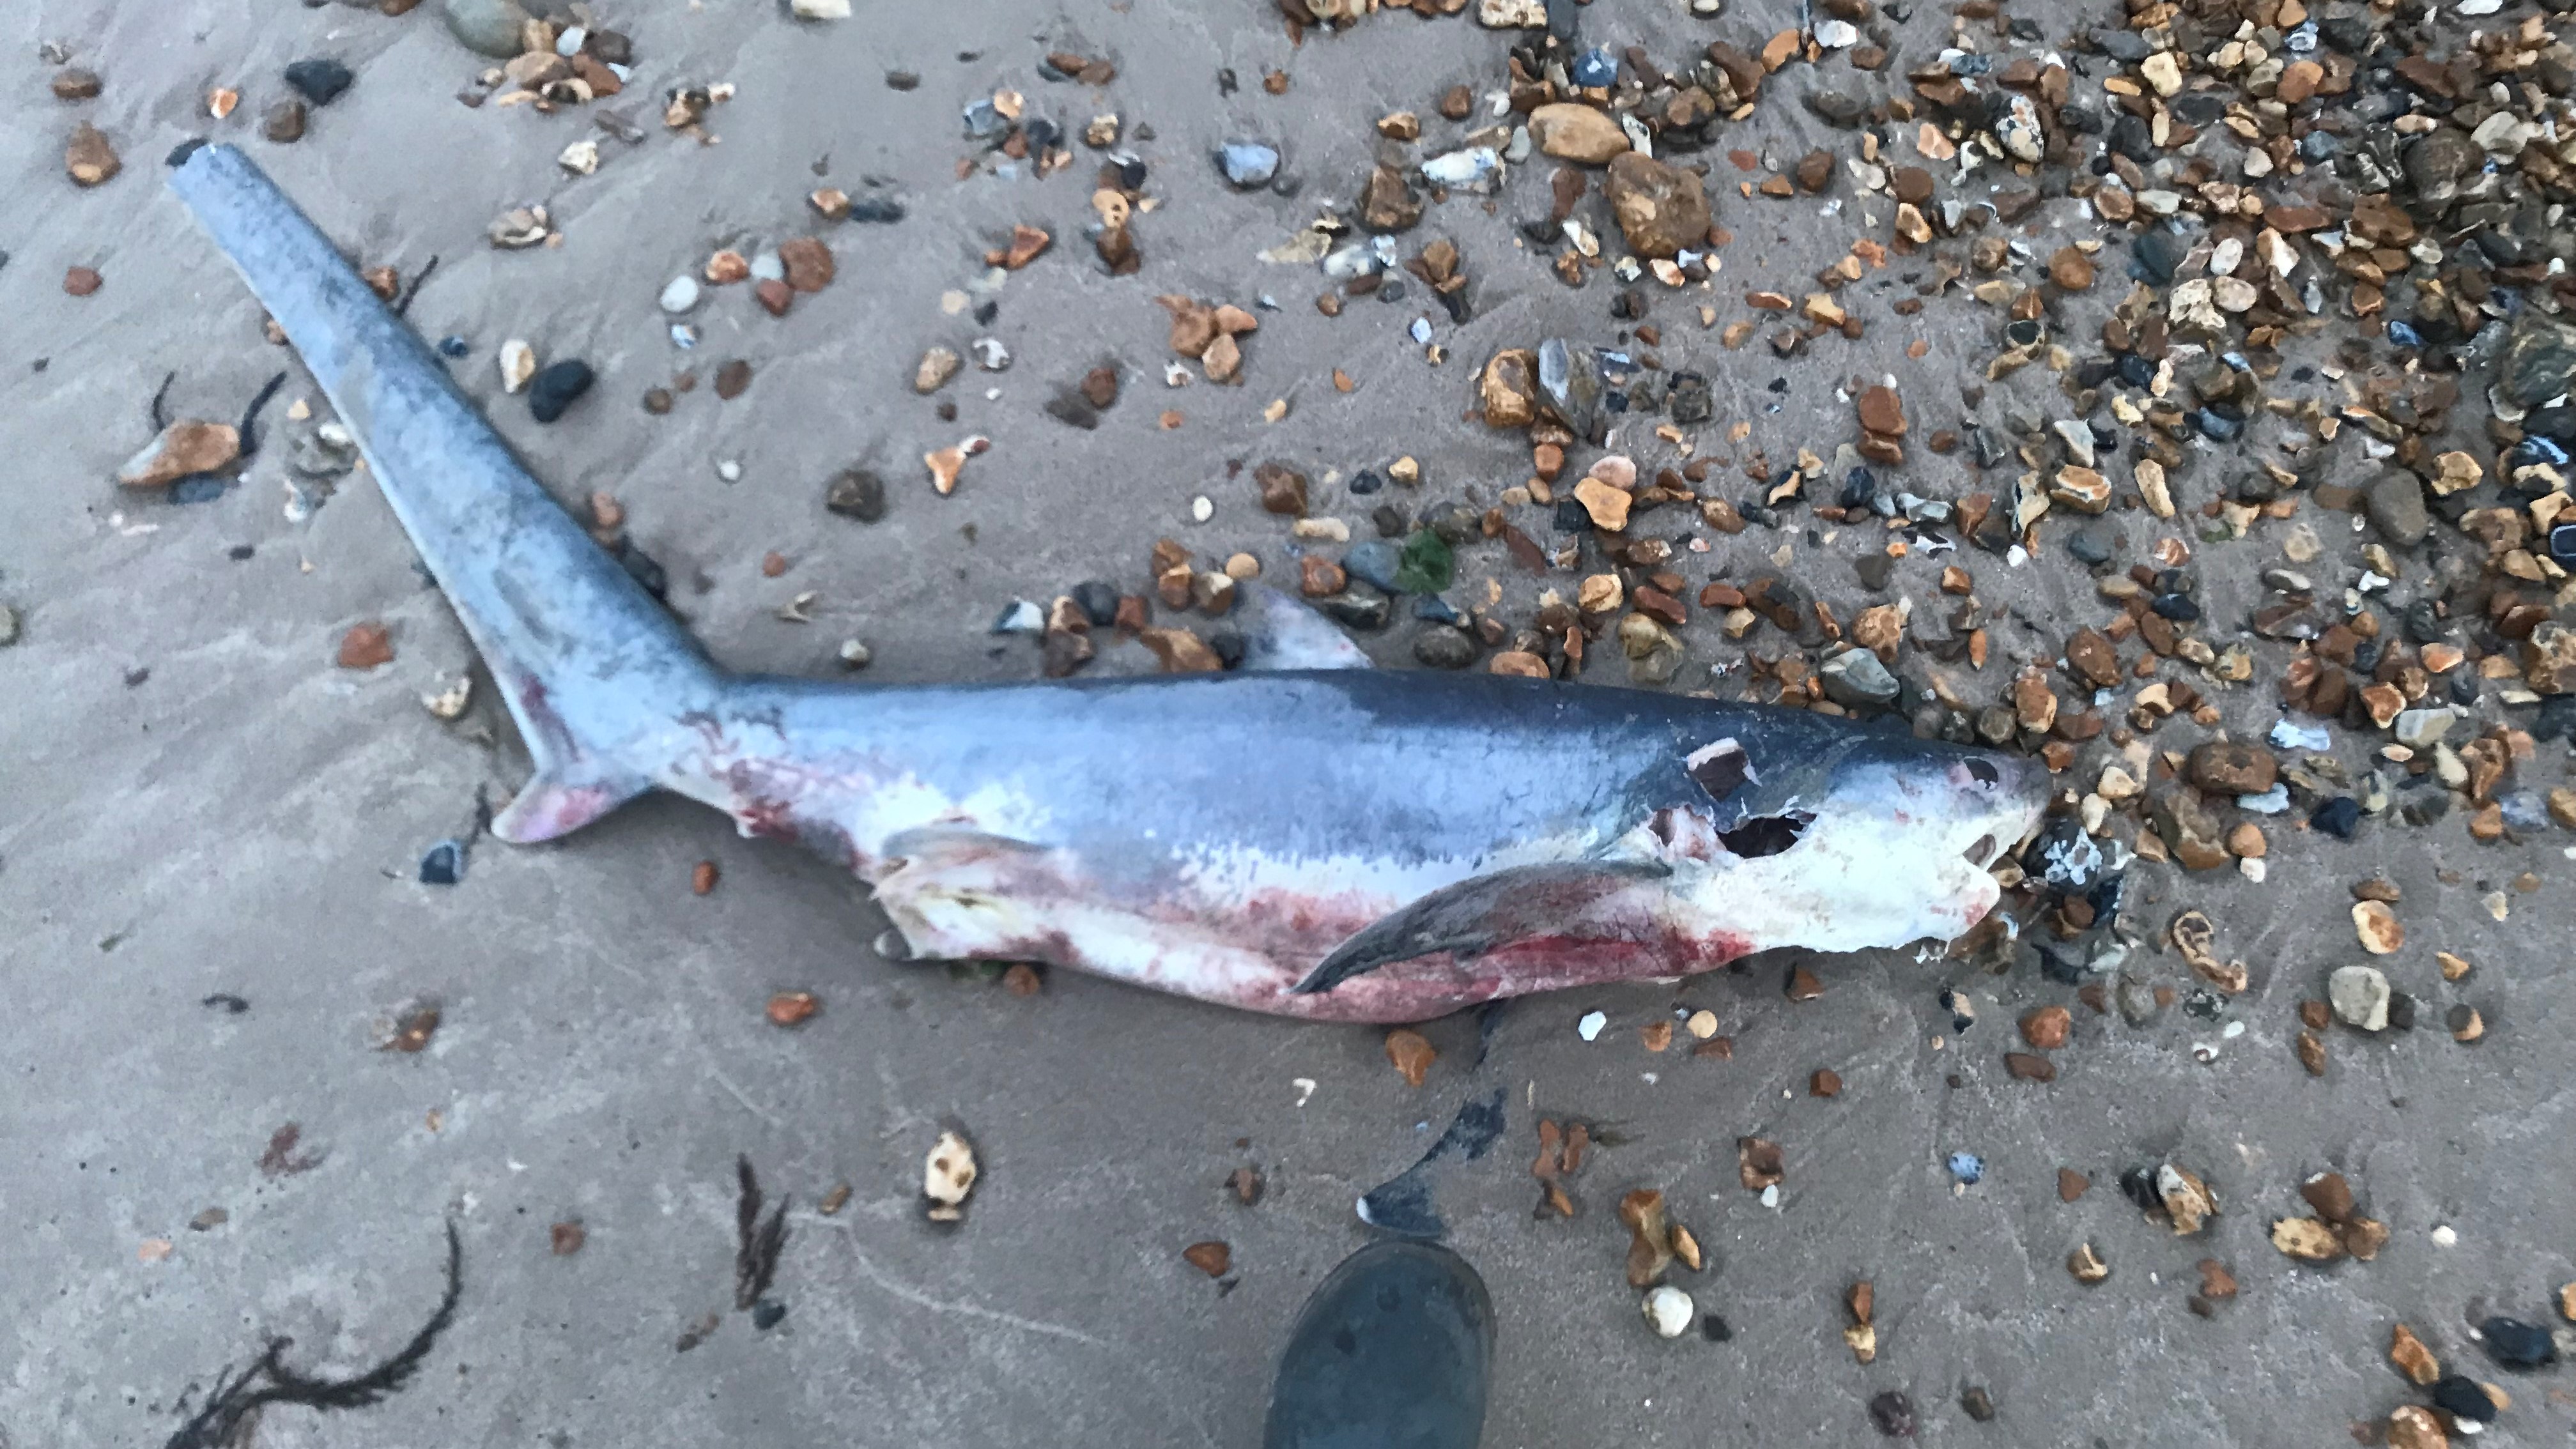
(1304, 836)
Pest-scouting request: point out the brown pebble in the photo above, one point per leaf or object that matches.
(567, 1238)
(2315, 1015)
(2087, 1265)
(657, 400)
(732, 378)
(284, 122)
(81, 281)
(2046, 1027)
(772, 565)
(775, 296)
(2071, 269)
(1100, 386)
(1803, 985)
(2312, 1053)
(793, 1008)
(88, 158)
(1656, 1036)
(2412, 1358)
(1411, 1054)
(1211, 1258)
(2030, 1067)
(1246, 1183)
(75, 84)
(834, 1200)
(2330, 1195)
(2071, 1184)
(808, 262)
(1022, 980)
(1457, 103)
(2215, 1281)
(365, 646)
(1824, 1083)
(702, 877)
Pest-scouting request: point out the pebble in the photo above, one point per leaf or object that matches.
(88, 159)
(320, 81)
(681, 296)
(1443, 647)
(2360, 996)
(443, 865)
(284, 122)
(1247, 165)
(518, 363)
(2518, 1345)
(1590, 1026)
(1967, 1167)
(1670, 1310)
(859, 493)
(556, 387)
(491, 27)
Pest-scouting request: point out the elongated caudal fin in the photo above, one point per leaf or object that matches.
(594, 671)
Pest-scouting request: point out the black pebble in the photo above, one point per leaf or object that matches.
(642, 569)
(1098, 602)
(1367, 482)
(2517, 1344)
(555, 387)
(231, 1004)
(856, 493)
(2465, 1398)
(1570, 517)
(1873, 570)
(1893, 1413)
(883, 210)
(2177, 607)
(1979, 1404)
(2339, 817)
(444, 865)
(319, 81)
(1714, 1329)
(768, 1313)
(1227, 645)
(2138, 1184)
(240, 552)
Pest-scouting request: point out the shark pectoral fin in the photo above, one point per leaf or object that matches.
(1282, 633)
(1484, 914)
(558, 802)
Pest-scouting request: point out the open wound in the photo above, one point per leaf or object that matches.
(1721, 769)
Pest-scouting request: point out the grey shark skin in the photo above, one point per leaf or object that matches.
(1330, 843)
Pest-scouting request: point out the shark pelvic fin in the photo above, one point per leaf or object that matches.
(558, 801)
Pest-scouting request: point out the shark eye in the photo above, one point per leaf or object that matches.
(1983, 773)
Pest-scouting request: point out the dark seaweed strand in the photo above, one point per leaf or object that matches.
(403, 305)
(250, 415)
(757, 1244)
(160, 419)
(230, 1411)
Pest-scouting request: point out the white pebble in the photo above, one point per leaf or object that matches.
(680, 296)
(1202, 509)
(1591, 1024)
(768, 267)
(1670, 1310)
(729, 470)
(1771, 1196)
(2443, 1237)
